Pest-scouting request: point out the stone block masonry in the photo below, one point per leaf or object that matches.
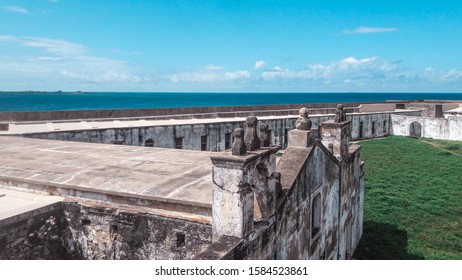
(72, 230)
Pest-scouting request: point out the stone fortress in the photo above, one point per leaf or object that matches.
(252, 182)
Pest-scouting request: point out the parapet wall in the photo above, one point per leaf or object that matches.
(218, 136)
(213, 111)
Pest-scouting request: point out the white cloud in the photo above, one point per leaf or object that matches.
(277, 68)
(15, 9)
(365, 30)
(429, 70)
(452, 75)
(213, 67)
(209, 77)
(47, 63)
(348, 70)
(102, 77)
(371, 73)
(60, 62)
(235, 75)
(53, 46)
(259, 64)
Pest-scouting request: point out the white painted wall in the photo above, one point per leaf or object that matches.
(449, 128)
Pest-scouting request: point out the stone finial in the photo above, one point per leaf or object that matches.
(238, 148)
(264, 135)
(340, 114)
(251, 140)
(303, 122)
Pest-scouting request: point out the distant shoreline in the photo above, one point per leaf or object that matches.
(38, 91)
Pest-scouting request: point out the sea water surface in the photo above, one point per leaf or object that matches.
(49, 101)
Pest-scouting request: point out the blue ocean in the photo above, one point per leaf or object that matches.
(49, 101)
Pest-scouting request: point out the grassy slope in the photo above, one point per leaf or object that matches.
(413, 200)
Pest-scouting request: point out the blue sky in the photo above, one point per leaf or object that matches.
(244, 46)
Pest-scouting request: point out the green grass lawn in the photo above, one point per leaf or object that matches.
(413, 199)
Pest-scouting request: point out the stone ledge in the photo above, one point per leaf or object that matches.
(220, 249)
(227, 159)
(54, 189)
(332, 124)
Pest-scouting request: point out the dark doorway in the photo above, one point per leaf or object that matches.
(149, 143)
(415, 129)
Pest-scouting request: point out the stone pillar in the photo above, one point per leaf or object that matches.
(337, 134)
(233, 199)
(303, 136)
(238, 148)
(244, 189)
(251, 137)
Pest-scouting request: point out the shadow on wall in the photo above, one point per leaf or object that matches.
(382, 241)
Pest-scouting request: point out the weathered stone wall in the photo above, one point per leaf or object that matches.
(164, 136)
(289, 233)
(351, 203)
(296, 237)
(367, 126)
(318, 214)
(449, 128)
(74, 231)
(111, 233)
(33, 235)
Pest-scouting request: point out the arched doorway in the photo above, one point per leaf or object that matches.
(149, 143)
(415, 129)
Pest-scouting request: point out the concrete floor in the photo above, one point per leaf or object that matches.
(134, 175)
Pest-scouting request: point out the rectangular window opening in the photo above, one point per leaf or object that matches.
(178, 142)
(204, 143)
(286, 138)
(180, 240)
(316, 215)
(228, 141)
